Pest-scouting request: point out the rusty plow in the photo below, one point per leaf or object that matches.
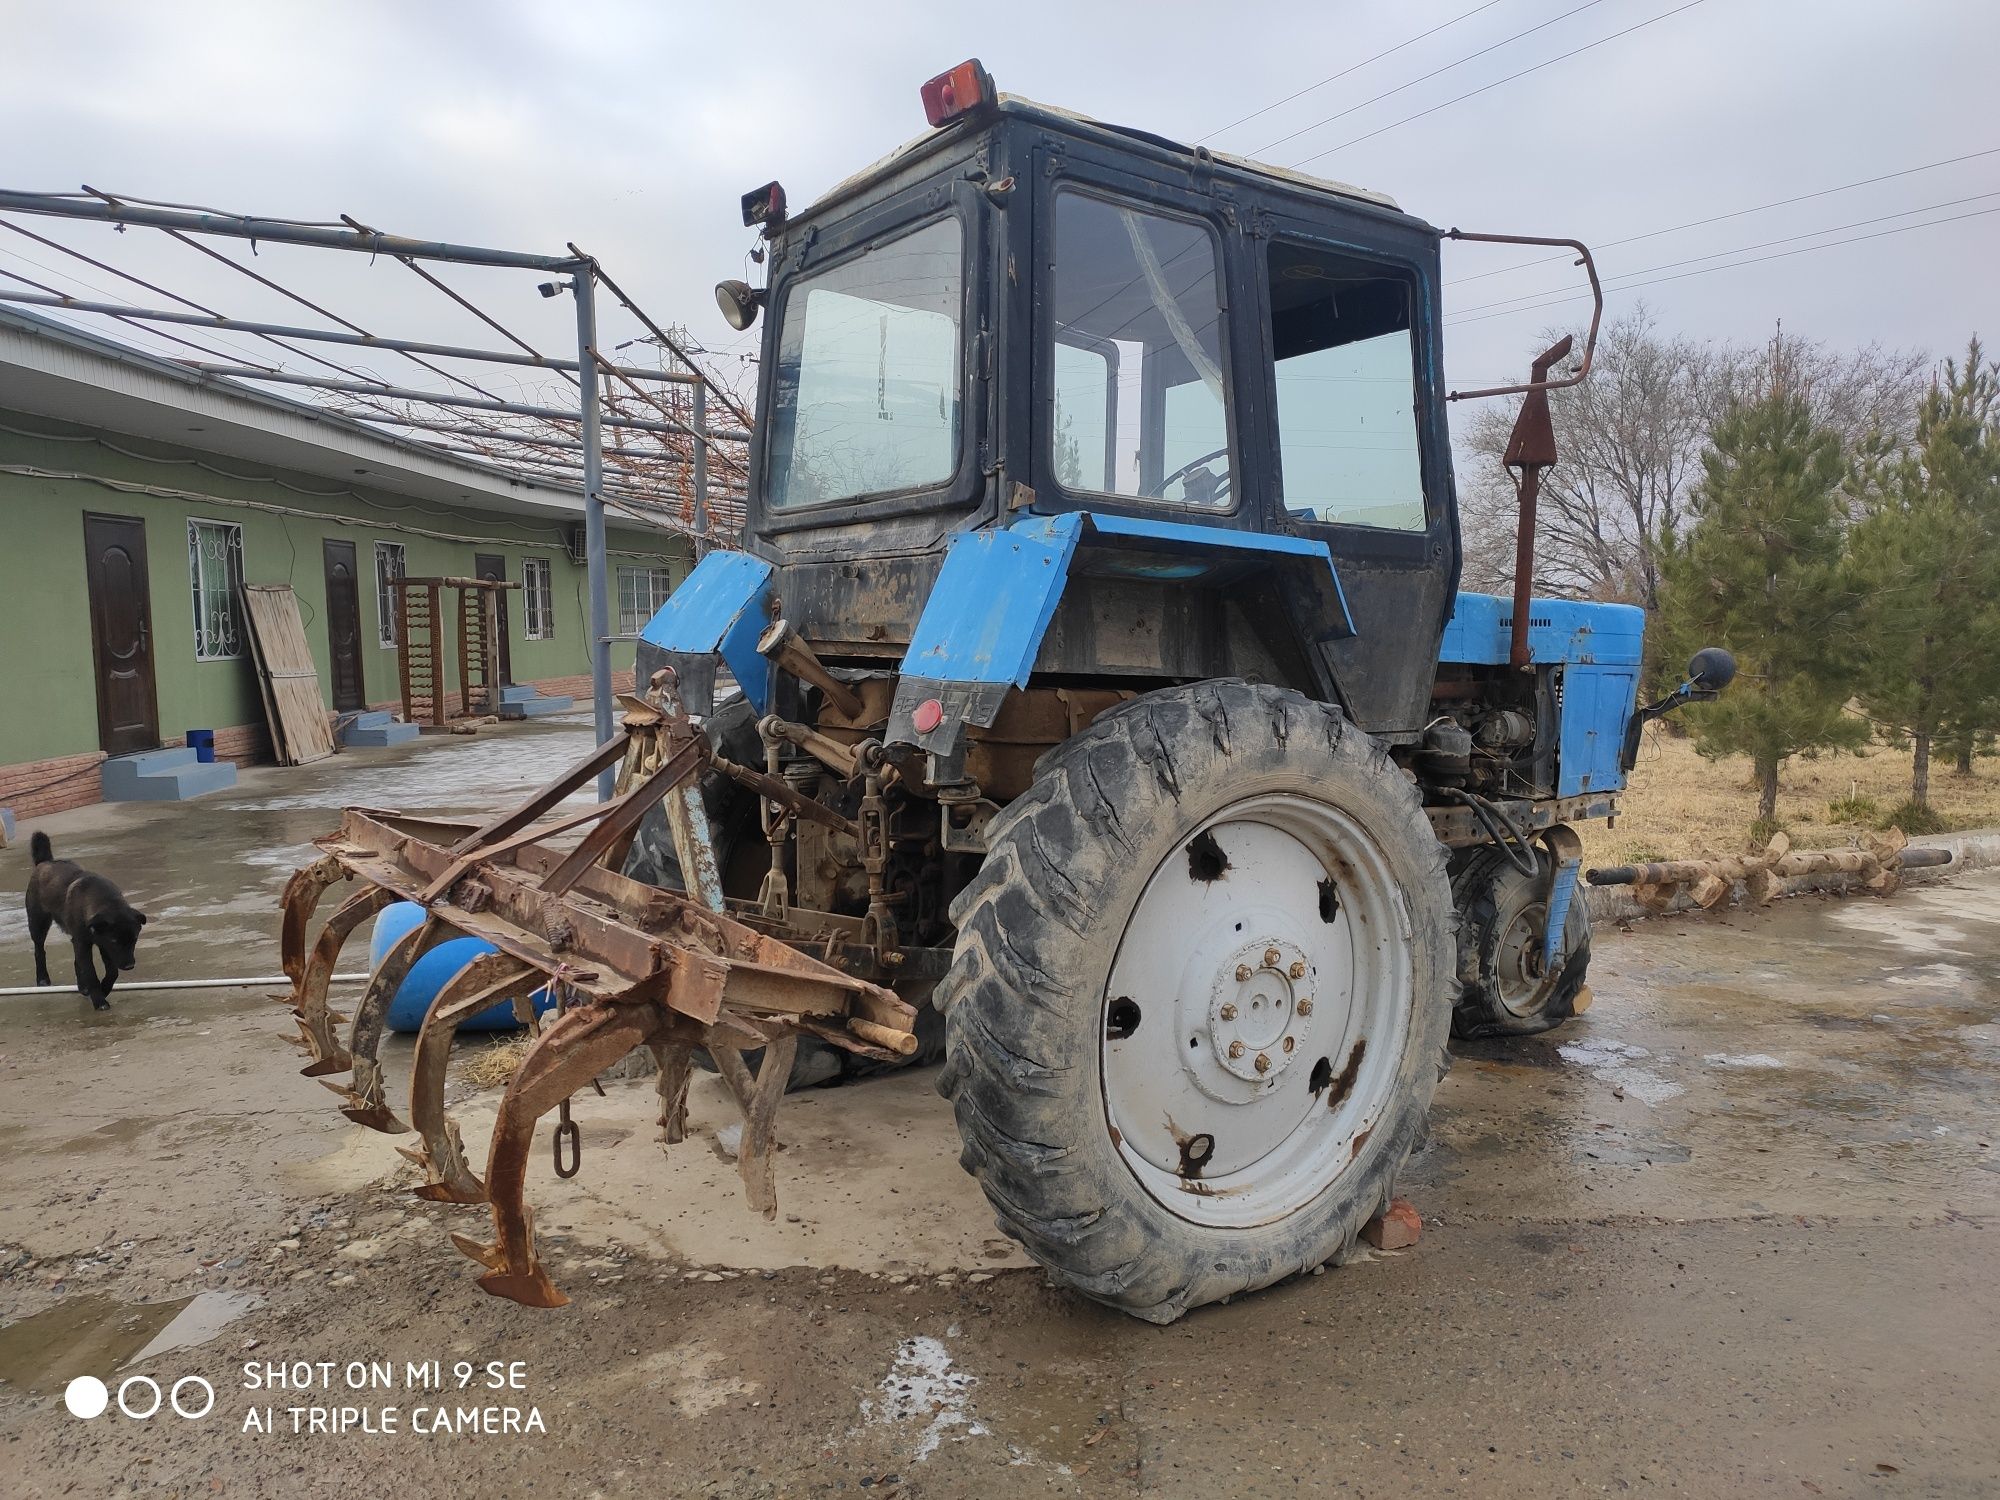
(633, 966)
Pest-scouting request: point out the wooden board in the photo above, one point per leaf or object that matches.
(263, 684)
(297, 715)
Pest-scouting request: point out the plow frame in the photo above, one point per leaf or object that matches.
(630, 965)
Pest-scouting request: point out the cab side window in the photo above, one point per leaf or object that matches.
(1343, 341)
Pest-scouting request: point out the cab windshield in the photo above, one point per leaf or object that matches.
(866, 398)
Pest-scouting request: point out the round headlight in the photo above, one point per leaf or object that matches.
(738, 301)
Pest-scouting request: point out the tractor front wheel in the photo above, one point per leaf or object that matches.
(1200, 996)
(1510, 983)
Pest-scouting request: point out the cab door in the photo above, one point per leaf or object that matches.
(1355, 441)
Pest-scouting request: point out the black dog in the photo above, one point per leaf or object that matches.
(94, 913)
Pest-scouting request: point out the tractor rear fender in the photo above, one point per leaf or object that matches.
(998, 590)
(718, 611)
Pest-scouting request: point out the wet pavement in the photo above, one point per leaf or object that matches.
(1728, 1233)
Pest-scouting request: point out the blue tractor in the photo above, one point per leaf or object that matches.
(1091, 706)
(1101, 564)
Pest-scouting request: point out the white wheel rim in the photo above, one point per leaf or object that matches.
(1518, 971)
(1195, 998)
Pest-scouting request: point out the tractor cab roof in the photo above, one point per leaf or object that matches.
(1012, 108)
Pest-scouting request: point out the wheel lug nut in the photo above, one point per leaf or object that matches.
(1271, 957)
(1298, 968)
(1235, 1049)
(1242, 973)
(1291, 1042)
(1228, 1012)
(1263, 1063)
(1304, 1007)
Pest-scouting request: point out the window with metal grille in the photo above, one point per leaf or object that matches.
(215, 575)
(538, 599)
(388, 566)
(641, 592)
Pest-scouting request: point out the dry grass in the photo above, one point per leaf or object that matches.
(490, 1066)
(1682, 806)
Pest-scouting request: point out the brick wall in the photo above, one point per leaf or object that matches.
(246, 744)
(578, 687)
(36, 787)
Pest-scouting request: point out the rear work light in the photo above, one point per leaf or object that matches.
(952, 95)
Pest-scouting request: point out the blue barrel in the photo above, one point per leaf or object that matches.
(202, 742)
(428, 974)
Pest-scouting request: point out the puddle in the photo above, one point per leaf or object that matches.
(923, 1383)
(1616, 1152)
(1742, 1060)
(1940, 974)
(96, 1335)
(1615, 1064)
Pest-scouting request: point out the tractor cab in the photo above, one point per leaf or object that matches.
(1213, 386)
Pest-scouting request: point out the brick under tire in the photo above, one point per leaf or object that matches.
(1150, 813)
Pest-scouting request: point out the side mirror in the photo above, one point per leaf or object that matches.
(1711, 669)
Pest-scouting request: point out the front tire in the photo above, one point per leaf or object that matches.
(1200, 997)
(1506, 986)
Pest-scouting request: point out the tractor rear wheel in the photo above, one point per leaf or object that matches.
(1200, 996)
(1508, 987)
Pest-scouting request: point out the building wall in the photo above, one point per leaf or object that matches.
(47, 670)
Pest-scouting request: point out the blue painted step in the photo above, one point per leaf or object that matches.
(519, 692)
(163, 776)
(378, 736)
(376, 730)
(533, 707)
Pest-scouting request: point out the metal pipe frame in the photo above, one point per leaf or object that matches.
(282, 232)
(583, 287)
(329, 336)
(532, 440)
(444, 398)
(701, 470)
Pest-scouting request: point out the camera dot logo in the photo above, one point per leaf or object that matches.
(86, 1397)
(139, 1397)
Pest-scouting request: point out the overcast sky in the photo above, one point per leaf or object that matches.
(632, 129)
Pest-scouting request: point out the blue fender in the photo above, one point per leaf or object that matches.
(720, 609)
(996, 594)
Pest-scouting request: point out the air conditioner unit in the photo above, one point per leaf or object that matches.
(579, 553)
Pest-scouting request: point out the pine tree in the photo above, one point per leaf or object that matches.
(1760, 572)
(1925, 561)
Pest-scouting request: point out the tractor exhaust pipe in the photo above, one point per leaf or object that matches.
(1531, 448)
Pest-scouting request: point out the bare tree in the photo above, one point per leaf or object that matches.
(1632, 439)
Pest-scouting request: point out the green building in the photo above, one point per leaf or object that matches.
(137, 496)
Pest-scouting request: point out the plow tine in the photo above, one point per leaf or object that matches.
(472, 989)
(309, 992)
(569, 1054)
(299, 902)
(675, 1061)
(366, 1104)
(759, 1098)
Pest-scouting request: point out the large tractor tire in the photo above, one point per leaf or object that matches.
(1506, 987)
(1200, 996)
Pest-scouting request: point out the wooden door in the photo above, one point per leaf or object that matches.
(343, 626)
(492, 565)
(121, 633)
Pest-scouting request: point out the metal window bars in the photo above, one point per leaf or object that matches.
(215, 574)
